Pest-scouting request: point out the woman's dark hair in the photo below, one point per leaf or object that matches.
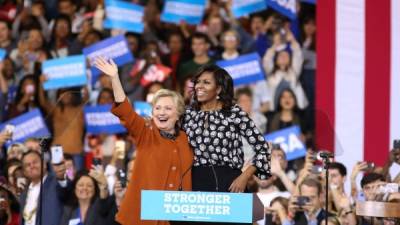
(76, 97)
(276, 67)
(103, 90)
(222, 80)
(280, 94)
(303, 35)
(61, 17)
(83, 173)
(19, 93)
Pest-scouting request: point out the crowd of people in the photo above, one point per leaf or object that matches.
(205, 134)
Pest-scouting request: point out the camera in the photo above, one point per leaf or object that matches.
(302, 200)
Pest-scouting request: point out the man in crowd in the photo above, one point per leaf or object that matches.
(306, 209)
(54, 188)
(200, 46)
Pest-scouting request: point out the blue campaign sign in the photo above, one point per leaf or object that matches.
(100, 120)
(196, 206)
(289, 141)
(28, 125)
(190, 11)
(123, 15)
(245, 69)
(65, 72)
(245, 7)
(142, 108)
(3, 54)
(115, 48)
(284, 7)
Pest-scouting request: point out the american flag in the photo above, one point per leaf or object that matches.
(358, 78)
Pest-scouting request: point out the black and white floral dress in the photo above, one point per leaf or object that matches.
(215, 137)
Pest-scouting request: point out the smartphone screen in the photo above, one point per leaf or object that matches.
(57, 154)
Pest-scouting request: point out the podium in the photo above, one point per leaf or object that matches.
(201, 206)
(378, 209)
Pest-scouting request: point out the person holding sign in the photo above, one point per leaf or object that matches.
(215, 126)
(164, 158)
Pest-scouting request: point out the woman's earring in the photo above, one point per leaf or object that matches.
(217, 97)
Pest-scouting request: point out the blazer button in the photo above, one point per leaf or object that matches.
(171, 185)
(173, 168)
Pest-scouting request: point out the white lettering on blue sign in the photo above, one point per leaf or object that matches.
(127, 15)
(101, 119)
(112, 51)
(61, 71)
(28, 127)
(197, 203)
(244, 69)
(291, 145)
(183, 9)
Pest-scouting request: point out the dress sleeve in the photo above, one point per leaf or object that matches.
(134, 123)
(262, 157)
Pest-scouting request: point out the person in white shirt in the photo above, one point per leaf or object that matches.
(53, 188)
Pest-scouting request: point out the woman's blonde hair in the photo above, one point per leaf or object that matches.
(176, 98)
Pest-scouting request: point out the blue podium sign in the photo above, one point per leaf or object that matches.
(197, 206)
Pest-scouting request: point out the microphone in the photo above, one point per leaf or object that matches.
(183, 175)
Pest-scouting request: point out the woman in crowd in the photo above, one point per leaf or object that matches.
(215, 126)
(163, 159)
(9, 208)
(283, 64)
(287, 112)
(84, 207)
(26, 97)
(277, 213)
(61, 37)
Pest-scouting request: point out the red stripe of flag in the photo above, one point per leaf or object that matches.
(377, 81)
(325, 74)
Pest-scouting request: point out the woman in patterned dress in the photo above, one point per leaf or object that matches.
(214, 125)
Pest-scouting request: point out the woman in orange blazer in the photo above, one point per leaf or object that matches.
(163, 159)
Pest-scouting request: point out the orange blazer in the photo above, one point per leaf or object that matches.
(159, 165)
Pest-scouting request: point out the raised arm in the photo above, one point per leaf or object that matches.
(135, 124)
(111, 70)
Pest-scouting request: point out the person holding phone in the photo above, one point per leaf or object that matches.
(26, 97)
(163, 156)
(306, 208)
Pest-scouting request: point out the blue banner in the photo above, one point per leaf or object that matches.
(100, 120)
(123, 15)
(115, 48)
(197, 206)
(190, 11)
(3, 54)
(28, 125)
(289, 141)
(142, 108)
(65, 72)
(245, 69)
(245, 7)
(284, 7)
